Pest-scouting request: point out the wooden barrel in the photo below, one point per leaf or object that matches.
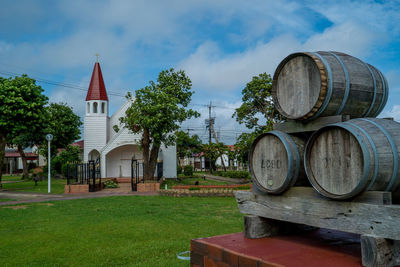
(344, 159)
(309, 85)
(276, 161)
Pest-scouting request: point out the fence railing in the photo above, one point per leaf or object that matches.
(85, 173)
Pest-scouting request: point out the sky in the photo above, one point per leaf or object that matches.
(220, 45)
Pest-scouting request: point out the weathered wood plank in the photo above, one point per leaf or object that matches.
(376, 251)
(295, 126)
(374, 197)
(258, 227)
(303, 205)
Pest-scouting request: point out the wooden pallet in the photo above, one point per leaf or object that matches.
(372, 215)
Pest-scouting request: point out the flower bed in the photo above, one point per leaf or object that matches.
(209, 186)
(205, 191)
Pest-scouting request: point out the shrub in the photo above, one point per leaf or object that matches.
(179, 169)
(188, 170)
(235, 174)
(110, 184)
(194, 188)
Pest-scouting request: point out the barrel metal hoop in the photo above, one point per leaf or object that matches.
(374, 98)
(374, 150)
(394, 152)
(385, 94)
(281, 136)
(297, 156)
(330, 85)
(387, 90)
(347, 83)
(367, 158)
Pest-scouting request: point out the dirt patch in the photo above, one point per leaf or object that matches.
(16, 207)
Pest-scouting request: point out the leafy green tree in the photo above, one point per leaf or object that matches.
(213, 151)
(244, 142)
(21, 114)
(186, 145)
(70, 155)
(257, 103)
(63, 124)
(157, 111)
(232, 155)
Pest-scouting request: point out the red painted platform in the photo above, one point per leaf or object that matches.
(318, 248)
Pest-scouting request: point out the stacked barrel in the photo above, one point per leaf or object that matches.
(340, 160)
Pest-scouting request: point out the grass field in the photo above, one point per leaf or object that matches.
(57, 186)
(11, 178)
(112, 231)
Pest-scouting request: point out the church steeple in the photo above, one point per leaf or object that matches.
(97, 89)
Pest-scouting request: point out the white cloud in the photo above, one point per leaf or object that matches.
(393, 113)
(210, 69)
(348, 37)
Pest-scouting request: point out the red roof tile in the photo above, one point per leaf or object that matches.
(97, 89)
(81, 144)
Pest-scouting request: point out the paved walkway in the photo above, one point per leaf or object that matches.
(25, 197)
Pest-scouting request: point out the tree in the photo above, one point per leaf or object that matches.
(213, 151)
(70, 155)
(157, 111)
(257, 103)
(244, 142)
(186, 145)
(21, 114)
(63, 124)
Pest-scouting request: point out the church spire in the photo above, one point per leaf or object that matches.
(97, 89)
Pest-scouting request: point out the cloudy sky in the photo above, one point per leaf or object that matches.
(220, 44)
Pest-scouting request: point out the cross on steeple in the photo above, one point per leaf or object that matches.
(97, 57)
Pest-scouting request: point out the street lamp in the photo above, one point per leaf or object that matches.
(49, 137)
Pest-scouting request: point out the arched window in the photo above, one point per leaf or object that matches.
(95, 107)
(88, 108)
(103, 107)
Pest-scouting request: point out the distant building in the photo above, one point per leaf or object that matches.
(115, 150)
(13, 162)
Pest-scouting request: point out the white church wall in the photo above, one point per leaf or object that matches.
(95, 134)
(114, 119)
(119, 161)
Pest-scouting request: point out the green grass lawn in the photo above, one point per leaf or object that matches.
(191, 181)
(112, 231)
(6, 199)
(11, 178)
(57, 186)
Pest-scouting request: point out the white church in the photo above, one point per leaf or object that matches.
(115, 149)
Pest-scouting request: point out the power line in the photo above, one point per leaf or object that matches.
(67, 85)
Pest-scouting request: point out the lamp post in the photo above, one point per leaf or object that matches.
(49, 137)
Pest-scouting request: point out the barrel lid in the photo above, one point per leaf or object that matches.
(299, 85)
(337, 161)
(271, 163)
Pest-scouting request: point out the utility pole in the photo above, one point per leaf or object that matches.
(209, 123)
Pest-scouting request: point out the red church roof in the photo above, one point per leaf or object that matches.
(97, 89)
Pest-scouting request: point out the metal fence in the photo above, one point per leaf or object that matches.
(137, 170)
(85, 173)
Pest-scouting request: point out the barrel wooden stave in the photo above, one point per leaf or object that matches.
(347, 86)
(345, 159)
(276, 162)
